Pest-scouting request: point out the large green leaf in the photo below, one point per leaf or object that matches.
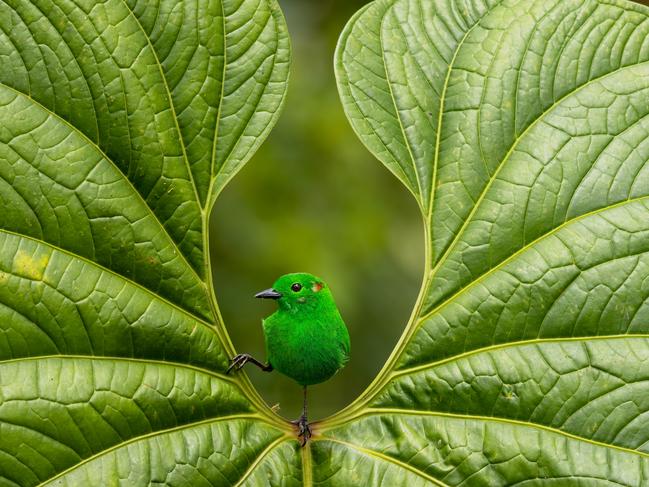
(520, 127)
(522, 130)
(120, 122)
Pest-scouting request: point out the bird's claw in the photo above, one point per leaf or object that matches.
(303, 429)
(238, 361)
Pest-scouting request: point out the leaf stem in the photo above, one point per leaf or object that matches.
(242, 380)
(307, 467)
(385, 374)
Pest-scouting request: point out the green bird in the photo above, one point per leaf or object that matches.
(306, 338)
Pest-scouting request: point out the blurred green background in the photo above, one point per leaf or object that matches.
(314, 199)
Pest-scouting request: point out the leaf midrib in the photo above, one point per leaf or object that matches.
(397, 112)
(500, 346)
(381, 412)
(217, 124)
(495, 419)
(260, 458)
(111, 358)
(550, 233)
(442, 104)
(152, 434)
(511, 150)
(395, 168)
(125, 179)
(386, 458)
(181, 140)
(154, 296)
(68, 50)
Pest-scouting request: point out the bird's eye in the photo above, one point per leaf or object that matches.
(297, 287)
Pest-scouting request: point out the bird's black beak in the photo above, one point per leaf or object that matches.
(269, 294)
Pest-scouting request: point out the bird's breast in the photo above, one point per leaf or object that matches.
(307, 352)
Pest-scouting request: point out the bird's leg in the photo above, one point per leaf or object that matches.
(302, 423)
(242, 359)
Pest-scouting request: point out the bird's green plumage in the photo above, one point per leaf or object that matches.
(306, 338)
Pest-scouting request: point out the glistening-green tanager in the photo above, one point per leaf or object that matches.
(306, 338)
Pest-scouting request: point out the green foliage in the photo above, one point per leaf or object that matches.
(521, 129)
(121, 123)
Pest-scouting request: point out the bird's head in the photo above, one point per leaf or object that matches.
(298, 290)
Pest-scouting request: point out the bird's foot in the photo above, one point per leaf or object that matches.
(238, 362)
(303, 429)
